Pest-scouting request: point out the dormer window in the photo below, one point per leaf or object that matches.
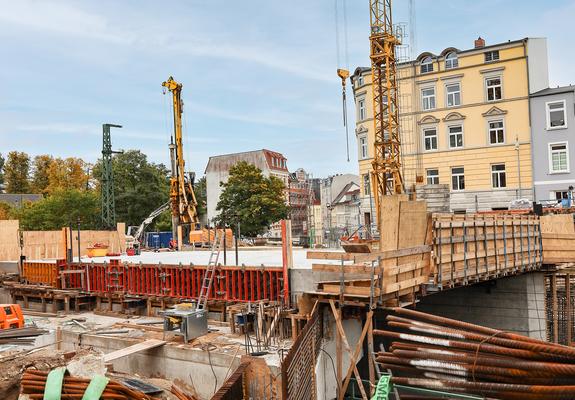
(426, 65)
(451, 60)
(360, 80)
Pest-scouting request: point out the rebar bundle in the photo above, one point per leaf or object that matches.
(438, 353)
(73, 388)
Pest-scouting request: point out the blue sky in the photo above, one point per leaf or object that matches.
(256, 73)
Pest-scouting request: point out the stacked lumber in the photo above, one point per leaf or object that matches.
(433, 352)
(476, 247)
(20, 336)
(558, 235)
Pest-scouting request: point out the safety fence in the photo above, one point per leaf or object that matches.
(298, 368)
(230, 283)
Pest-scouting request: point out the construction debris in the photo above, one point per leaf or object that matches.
(20, 336)
(437, 353)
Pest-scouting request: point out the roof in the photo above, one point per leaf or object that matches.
(361, 70)
(344, 191)
(552, 91)
(265, 152)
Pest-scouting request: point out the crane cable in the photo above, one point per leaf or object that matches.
(346, 55)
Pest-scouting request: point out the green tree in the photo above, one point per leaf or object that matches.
(59, 209)
(5, 211)
(139, 186)
(251, 199)
(200, 190)
(16, 172)
(2, 161)
(40, 176)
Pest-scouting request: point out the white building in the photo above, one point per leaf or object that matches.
(217, 171)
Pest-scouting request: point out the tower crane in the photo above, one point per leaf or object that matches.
(182, 198)
(386, 174)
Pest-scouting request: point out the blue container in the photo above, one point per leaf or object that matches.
(158, 240)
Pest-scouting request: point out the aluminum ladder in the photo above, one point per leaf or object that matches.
(210, 270)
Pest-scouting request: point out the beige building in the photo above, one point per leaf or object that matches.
(464, 122)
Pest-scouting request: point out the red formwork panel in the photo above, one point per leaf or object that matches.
(230, 283)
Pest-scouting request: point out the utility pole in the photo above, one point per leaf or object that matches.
(108, 201)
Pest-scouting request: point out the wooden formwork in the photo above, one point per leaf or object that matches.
(558, 233)
(477, 247)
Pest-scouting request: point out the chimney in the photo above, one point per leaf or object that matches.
(479, 42)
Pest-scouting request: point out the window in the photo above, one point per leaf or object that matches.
(433, 177)
(559, 195)
(430, 139)
(361, 108)
(360, 80)
(426, 65)
(556, 115)
(493, 88)
(453, 91)
(498, 177)
(496, 132)
(451, 60)
(492, 56)
(455, 136)
(366, 185)
(558, 158)
(363, 147)
(428, 98)
(457, 178)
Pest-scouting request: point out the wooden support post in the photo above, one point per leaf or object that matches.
(43, 304)
(67, 304)
(98, 303)
(352, 360)
(338, 354)
(54, 305)
(370, 356)
(149, 307)
(568, 307)
(554, 308)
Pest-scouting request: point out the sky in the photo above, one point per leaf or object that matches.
(255, 73)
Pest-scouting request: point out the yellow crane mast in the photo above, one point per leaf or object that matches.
(386, 174)
(182, 198)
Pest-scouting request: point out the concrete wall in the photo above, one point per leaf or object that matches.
(546, 182)
(191, 366)
(515, 304)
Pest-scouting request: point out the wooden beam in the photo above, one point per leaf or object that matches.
(146, 345)
(358, 347)
(339, 326)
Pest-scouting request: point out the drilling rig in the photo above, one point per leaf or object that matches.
(182, 198)
(385, 175)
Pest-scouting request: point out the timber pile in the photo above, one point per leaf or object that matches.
(558, 233)
(478, 247)
(438, 353)
(34, 382)
(20, 336)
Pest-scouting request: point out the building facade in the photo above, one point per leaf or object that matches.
(300, 202)
(553, 138)
(338, 216)
(217, 171)
(464, 121)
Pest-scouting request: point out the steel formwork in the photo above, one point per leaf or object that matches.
(231, 283)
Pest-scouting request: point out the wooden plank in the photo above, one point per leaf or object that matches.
(406, 284)
(329, 255)
(348, 269)
(146, 345)
(568, 236)
(351, 290)
(358, 347)
(558, 223)
(387, 272)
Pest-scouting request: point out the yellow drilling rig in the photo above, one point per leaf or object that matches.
(182, 198)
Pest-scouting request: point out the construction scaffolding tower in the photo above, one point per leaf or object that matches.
(108, 200)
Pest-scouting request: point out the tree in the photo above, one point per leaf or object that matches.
(200, 190)
(251, 199)
(66, 174)
(5, 211)
(16, 172)
(2, 161)
(140, 186)
(40, 176)
(60, 209)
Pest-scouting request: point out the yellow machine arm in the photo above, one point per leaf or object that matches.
(182, 198)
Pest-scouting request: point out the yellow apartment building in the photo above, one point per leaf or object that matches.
(464, 122)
